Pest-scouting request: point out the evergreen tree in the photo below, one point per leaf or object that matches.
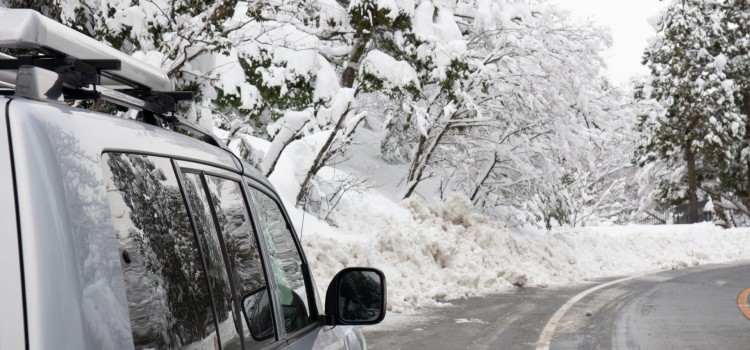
(734, 184)
(698, 123)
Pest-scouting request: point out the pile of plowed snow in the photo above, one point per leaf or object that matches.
(439, 252)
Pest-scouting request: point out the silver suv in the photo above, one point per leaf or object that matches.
(139, 229)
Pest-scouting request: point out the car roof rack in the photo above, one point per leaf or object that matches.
(64, 64)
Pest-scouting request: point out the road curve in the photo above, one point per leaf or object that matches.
(695, 311)
(704, 307)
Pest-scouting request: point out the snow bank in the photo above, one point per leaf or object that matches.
(434, 253)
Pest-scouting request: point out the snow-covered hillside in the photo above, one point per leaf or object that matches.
(434, 250)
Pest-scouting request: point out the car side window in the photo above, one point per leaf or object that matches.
(286, 262)
(210, 245)
(244, 257)
(169, 301)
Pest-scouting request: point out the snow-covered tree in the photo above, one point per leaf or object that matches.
(732, 191)
(268, 69)
(500, 100)
(702, 128)
(508, 99)
(695, 131)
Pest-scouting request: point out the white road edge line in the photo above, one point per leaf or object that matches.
(545, 338)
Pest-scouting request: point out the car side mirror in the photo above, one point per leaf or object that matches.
(356, 296)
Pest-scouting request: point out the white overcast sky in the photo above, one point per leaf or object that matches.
(628, 21)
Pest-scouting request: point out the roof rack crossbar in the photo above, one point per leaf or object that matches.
(77, 72)
(52, 62)
(180, 95)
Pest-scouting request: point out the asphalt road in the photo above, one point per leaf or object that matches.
(695, 308)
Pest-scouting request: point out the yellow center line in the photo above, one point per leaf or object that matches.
(742, 303)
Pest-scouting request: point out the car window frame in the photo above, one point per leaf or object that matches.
(310, 287)
(237, 312)
(186, 166)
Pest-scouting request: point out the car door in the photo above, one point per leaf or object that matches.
(209, 259)
(221, 196)
(189, 253)
(295, 288)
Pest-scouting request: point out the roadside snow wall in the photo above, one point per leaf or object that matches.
(435, 253)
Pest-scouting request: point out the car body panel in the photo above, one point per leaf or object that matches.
(11, 299)
(67, 235)
(61, 148)
(330, 338)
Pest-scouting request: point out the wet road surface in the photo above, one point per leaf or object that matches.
(701, 307)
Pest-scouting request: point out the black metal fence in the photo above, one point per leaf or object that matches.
(659, 216)
(681, 214)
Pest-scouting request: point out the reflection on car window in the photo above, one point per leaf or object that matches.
(210, 245)
(244, 257)
(285, 260)
(168, 300)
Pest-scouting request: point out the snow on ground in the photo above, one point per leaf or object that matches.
(435, 253)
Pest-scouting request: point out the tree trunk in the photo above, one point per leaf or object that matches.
(746, 143)
(692, 176)
(486, 175)
(348, 77)
(352, 66)
(323, 155)
(417, 156)
(278, 145)
(420, 164)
